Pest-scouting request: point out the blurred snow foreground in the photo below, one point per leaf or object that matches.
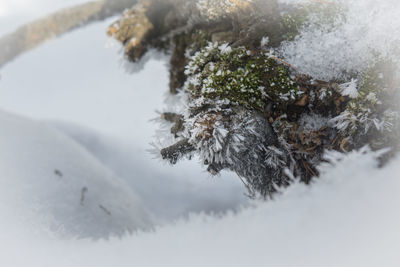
(59, 189)
(52, 175)
(348, 218)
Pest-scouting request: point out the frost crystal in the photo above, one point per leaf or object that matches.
(231, 137)
(264, 41)
(349, 89)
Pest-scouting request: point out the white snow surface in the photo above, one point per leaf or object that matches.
(45, 172)
(83, 122)
(349, 217)
(370, 27)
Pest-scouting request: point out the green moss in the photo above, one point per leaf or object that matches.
(249, 80)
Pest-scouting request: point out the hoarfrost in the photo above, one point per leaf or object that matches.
(349, 89)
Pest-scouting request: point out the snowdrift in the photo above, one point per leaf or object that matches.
(45, 172)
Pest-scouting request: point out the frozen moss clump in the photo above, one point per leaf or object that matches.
(235, 74)
(227, 94)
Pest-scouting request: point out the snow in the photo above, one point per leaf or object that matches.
(347, 218)
(327, 53)
(83, 122)
(54, 176)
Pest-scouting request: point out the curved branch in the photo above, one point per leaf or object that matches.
(52, 26)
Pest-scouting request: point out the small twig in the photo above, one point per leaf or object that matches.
(309, 169)
(83, 193)
(105, 210)
(58, 173)
(174, 152)
(334, 141)
(283, 62)
(176, 119)
(251, 194)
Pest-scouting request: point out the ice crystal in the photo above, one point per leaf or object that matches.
(349, 89)
(370, 110)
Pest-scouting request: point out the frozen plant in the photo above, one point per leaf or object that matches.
(228, 90)
(371, 113)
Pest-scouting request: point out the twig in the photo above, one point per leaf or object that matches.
(176, 119)
(252, 194)
(309, 168)
(283, 62)
(175, 152)
(334, 141)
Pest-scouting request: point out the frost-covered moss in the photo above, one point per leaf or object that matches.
(370, 112)
(228, 91)
(250, 80)
(229, 136)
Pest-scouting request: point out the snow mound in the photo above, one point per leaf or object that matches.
(349, 217)
(44, 174)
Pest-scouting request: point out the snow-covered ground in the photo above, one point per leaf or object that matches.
(76, 177)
